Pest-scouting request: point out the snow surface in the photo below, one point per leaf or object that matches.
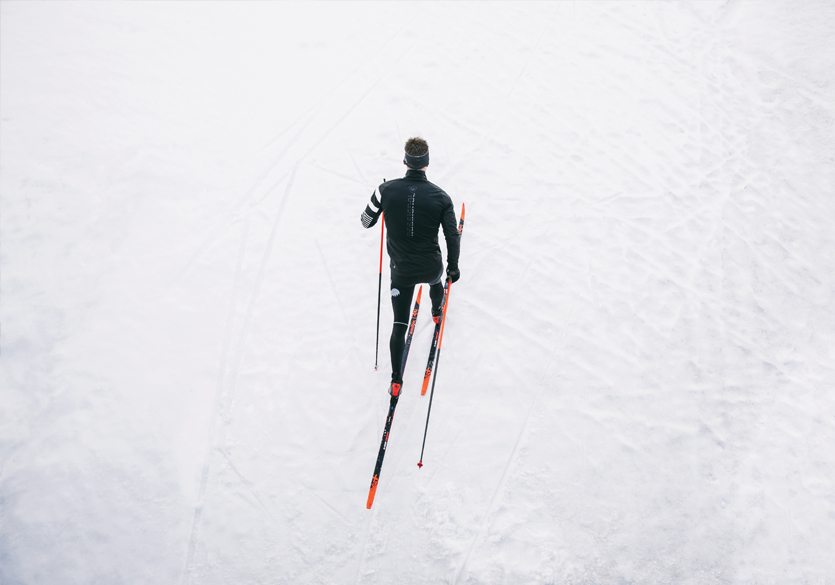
(638, 370)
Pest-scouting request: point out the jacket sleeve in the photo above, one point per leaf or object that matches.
(372, 210)
(453, 238)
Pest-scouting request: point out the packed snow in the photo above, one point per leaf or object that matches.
(637, 376)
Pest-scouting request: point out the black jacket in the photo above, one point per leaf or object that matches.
(414, 208)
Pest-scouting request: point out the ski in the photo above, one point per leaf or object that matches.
(392, 405)
(431, 362)
(432, 350)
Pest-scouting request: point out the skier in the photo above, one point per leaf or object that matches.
(414, 209)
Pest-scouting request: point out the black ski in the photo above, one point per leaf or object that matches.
(392, 405)
(431, 362)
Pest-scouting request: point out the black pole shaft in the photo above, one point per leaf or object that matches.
(429, 410)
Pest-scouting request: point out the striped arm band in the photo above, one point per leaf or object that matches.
(372, 211)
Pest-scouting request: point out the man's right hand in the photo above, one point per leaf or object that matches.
(453, 275)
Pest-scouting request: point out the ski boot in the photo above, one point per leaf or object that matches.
(396, 385)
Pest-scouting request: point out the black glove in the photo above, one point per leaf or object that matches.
(453, 274)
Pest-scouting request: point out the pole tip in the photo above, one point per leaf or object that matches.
(420, 463)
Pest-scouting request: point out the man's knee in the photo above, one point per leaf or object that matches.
(398, 330)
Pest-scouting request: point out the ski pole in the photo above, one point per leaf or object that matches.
(437, 364)
(379, 289)
(438, 351)
(431, 361)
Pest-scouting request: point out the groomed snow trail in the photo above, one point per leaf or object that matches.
(637, 370)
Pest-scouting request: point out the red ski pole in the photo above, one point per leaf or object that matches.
(379, 289)
(438, 355)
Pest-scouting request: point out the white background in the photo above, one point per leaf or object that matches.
(638, 367)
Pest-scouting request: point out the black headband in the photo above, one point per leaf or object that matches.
(416, 162)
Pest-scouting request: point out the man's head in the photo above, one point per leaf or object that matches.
(417, 154)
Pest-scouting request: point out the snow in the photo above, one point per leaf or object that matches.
(637, 375)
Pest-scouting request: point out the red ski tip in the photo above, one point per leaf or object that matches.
(420, 463)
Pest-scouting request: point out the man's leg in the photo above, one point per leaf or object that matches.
(401, 304)
(436, 293)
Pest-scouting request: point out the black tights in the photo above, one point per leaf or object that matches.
(402, 305)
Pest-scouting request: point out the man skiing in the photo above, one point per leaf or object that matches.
(414, 209)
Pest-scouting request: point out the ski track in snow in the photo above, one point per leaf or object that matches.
(220, 408)
(635, 374)
(462, 568)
